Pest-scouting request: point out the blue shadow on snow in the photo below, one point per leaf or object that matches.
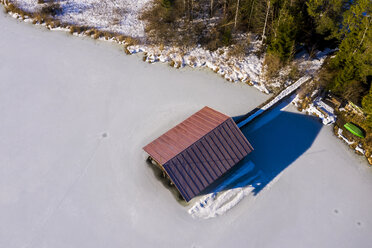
(278, 138)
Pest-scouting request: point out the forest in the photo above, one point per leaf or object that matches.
(284, 27)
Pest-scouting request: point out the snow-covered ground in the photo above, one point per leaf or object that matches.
(247, 69)
(75, 115)
(119, 16)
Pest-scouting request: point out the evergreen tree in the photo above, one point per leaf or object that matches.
(354, 58)
(282, 40)
(327, 15)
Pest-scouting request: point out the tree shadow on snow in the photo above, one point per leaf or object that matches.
(278, 138)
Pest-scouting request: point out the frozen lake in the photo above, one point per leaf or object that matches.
(75, 114)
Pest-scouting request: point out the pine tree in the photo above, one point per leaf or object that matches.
(282, 41)
(327, 15)
(354, 58)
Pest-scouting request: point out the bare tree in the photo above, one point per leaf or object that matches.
(224, 8)
(211, 8)
(250, 15)
(267, 14)
(364, 35)
(236, 13)
(192, 10)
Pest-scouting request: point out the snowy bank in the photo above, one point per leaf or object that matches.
(122, 17)
(119, 16)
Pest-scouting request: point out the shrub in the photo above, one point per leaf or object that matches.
(97, 34)
(294, 73)
(121, 38)
(131, 41)
(51, 9)
(238, 50)
(226, 36)
(72, 29)
(273, 63)
(126, 50)
(12, 8)
(89, 32)
(81, 29)
(38, 18)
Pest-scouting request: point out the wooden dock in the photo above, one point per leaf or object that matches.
(244, 120)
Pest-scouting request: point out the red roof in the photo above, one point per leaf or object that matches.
(199, 150)
(184, 134)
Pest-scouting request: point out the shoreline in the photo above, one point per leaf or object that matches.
(153, 54)
(173, 56)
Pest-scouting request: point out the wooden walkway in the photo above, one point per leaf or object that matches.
(272, 102)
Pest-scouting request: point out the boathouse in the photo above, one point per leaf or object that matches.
(199, 150)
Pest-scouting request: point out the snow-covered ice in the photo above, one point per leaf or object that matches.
(75, 114)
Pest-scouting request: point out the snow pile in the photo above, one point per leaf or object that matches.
(228, 194)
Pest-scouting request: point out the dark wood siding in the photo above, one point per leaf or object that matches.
(208, 159)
